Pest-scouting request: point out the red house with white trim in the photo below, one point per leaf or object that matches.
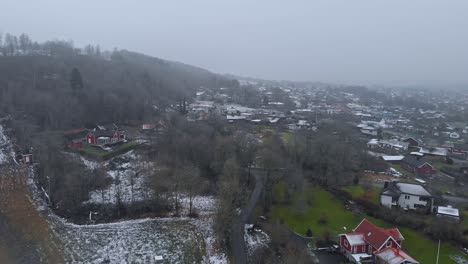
(368, 243)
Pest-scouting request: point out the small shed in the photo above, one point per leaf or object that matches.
(448, 212)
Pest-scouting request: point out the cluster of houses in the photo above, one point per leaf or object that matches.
(101, 136)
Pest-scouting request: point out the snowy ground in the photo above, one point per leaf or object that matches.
(136, 241)
(6, 152)
(255, 239)
(128, 180)
(177, 240)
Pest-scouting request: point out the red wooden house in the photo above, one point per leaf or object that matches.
(418, 165)
(368, 242)
(104, 137)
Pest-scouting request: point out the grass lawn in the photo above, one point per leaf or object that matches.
(94, 151)
(440, 164)
(309, 206)
(358, 191)
(100, 154)
(402, 171)
(465, 220)
(287, 137)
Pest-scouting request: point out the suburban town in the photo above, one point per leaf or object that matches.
(322, 133)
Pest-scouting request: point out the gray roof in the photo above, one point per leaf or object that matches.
(414, 161)
(395, 189)
(414, 189)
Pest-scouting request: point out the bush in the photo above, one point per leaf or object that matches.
(410, 221)
(309, 233)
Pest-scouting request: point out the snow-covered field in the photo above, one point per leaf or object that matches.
(128, 180)
(177, 240)
(135, 241)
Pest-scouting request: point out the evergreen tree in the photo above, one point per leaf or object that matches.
(76, 81)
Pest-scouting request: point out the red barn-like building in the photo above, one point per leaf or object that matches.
(418, 165)
(368, 242)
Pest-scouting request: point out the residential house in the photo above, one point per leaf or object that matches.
(105, 135)
(76, 138)
(412, 142)
(406, 195)
(396, 159)
(394, 144)
(370, 131)
(460, 148)
(368, 243)
(417, 165)
(434, 153)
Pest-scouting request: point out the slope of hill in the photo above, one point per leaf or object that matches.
(121, 89)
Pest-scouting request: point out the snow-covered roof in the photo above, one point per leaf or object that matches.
(414, 189)
(448, 210)
(434, 151)
(395, 256)
(358, 257)
(417, 154)
(393, 158)
(233, 117)
(355, 239)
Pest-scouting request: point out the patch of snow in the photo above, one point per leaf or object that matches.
(458, 259)
(255, 239)
(128, 183)
(92, 165)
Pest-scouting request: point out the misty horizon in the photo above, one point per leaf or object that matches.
(398, 43)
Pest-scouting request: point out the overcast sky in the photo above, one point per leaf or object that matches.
(348, 41)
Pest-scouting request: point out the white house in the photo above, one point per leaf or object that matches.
(406, 195)
(368, 130)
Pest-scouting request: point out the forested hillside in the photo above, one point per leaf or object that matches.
(56, 86)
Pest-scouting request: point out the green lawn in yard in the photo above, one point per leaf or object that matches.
(358, 191)
(309, 206)
(94, 151)
(403, 171)
(287, 137)
(100, 154)
(465, 220)
(440, 164)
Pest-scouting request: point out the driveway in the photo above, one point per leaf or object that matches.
(329, 258)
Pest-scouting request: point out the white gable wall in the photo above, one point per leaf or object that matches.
(409, 203)
(386, 200)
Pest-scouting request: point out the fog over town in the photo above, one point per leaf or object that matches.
(221, 132)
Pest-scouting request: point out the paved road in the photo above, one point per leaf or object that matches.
(239, 249)
(455, 199)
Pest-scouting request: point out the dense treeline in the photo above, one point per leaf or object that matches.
(39, 82)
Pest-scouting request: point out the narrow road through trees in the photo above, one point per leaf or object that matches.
(239, 249)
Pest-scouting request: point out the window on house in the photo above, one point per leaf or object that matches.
(346, 243)
(407, 197)
(363, 249)
(389, 243)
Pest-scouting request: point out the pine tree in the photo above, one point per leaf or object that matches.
(76, 81)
